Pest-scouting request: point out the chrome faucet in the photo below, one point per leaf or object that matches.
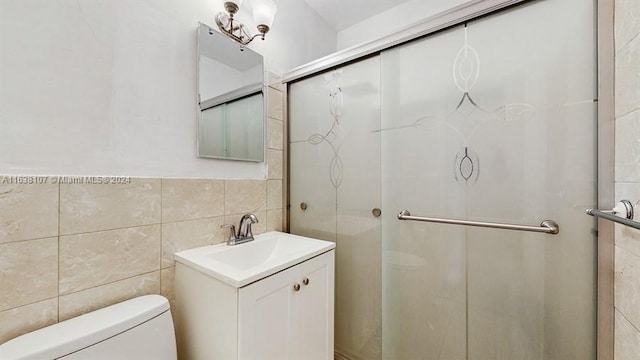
(241, 236)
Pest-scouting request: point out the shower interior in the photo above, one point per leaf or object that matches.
(490, 120)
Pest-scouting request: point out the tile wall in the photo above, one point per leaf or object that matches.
(627, 174)
(68, 248)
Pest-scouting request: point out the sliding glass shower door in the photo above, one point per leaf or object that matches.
(335, 191)
(492, 120)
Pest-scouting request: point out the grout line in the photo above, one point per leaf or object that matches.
(112, 229)
(33, 303)
(626, 46)
(112, 282)
(626, 318)
(34, 239)
(161, 242)
(619, 117)
(58, 280)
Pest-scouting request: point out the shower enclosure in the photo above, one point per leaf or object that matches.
(492, 120)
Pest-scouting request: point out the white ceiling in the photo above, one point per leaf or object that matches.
(343, 13)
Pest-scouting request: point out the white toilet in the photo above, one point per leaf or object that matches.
(140, 328)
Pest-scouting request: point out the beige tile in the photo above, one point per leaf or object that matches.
(243, 196)
(627, 285)
(24, 319)
(28, 272)
(93, 207)
(627, 25)
(626, 237)
(627, 339)
(274, 220)
(275, 134)
(27, 211)
(95, 298)
(93, 259)
(256, 229)
(183, 235)
(627, 92)
(275, 81)
(274, 164)
(627, 147)
(188, 199)
(274, 104)
(274, 194)
(167, 277)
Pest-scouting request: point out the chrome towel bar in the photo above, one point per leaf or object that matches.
(547, 226)
(624, 207)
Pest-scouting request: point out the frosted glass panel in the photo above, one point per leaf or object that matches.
(335, 163)
(494, 120)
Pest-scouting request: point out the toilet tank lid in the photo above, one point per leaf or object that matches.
(85, 330)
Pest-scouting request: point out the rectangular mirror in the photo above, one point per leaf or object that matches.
(231, 104)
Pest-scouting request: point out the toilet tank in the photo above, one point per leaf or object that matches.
(140, 328)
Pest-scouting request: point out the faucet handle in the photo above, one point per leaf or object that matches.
(232, 232)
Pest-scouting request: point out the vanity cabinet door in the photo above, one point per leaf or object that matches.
(264, 317)
(313, 309)
(280, 317)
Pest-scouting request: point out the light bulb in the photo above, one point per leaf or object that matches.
(263, 12)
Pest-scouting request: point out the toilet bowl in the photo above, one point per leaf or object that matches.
(140, 328)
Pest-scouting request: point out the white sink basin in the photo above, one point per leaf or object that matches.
(240, 265)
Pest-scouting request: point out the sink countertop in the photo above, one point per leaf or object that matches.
(240, 265)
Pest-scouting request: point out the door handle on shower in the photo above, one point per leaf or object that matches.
(546, 226)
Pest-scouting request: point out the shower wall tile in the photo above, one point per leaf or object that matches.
(275, 161)
(275, 136)
(627, 286)
(183, 235)
(627, 24)
(29, 272)
(274, 194)
(242, 196)
(627, 175)
(627, 82)
(24, 319)
(95, 298)
(93, 259)
(626, 237)
(274, 220)
(274, 104)
(93, 207)
(627, 147)
(187, 199)
(167, 278)
(27, 211)
(275, 81)
(627, 341)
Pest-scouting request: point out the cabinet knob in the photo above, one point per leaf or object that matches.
(303, 206)
(296, 287)
(305, 281)
(376, 212)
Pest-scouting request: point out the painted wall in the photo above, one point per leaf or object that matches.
(392, 20)
(627, 175)
(99, 87)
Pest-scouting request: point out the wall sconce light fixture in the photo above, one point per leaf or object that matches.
(263, 13)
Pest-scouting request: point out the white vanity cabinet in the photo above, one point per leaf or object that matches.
(286, 315)
(289, 315)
